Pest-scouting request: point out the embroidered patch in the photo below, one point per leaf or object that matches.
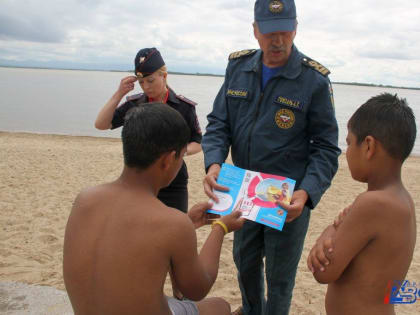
(237, 93)
(288, 102)
(276, 6)
(285, 118)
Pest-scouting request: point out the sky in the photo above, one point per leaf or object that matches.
(365, 41)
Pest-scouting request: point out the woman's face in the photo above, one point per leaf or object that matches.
(154, 85)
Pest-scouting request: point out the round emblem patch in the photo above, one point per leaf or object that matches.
(276, 6)
(285, 118)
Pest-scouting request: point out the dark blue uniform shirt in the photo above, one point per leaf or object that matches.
(180, 103)
(288, 129)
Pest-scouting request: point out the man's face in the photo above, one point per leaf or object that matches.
(276, 46)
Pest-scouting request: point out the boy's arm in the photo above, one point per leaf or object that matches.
(195, 273)
(354, 233)
(318, 256)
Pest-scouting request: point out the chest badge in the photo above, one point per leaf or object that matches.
(285, 118)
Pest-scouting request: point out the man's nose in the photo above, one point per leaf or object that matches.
(277, 39)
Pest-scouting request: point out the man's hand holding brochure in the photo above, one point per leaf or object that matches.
(254, 194)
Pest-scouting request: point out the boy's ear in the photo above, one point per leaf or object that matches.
(370, 144)
(167, 159)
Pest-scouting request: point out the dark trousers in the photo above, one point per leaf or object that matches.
(282, 251)
(175, 196)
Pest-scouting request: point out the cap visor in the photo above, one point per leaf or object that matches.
(277, 25)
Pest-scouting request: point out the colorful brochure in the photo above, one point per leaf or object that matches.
(254, 194)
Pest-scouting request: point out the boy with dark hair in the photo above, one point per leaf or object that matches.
(372, 241)
(121, 240)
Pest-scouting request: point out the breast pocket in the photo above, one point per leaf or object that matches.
(239, 102)
(289, 113)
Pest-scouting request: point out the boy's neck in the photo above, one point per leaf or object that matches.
(385, 176)
(142, 180)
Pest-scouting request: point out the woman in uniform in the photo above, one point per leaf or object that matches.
(151, 73)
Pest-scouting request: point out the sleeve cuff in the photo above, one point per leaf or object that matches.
(314, 195)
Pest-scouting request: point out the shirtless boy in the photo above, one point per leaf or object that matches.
(373, 242)
(121, 240)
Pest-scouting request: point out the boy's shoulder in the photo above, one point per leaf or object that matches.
(104, 190)
(170, 220)
(89, 195)
(383, 204)
(178, 219)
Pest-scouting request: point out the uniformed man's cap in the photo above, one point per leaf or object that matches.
(275, 15)
(147, 61)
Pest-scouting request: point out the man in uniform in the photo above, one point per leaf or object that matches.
(275, 113)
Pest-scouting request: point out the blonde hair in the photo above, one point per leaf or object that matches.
(162, 71)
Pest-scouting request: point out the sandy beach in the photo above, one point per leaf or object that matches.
(40, 175)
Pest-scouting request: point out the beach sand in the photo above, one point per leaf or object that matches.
(40, 175)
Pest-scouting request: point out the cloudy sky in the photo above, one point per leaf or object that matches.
(365, 41)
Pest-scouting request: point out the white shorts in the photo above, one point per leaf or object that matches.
(185, 307)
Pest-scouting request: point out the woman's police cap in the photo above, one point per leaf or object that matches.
(275, 15)
(147, 61)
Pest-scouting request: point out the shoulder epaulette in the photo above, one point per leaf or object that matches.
(241, 53)
(315, 65)
(134, 97)
(186, 100)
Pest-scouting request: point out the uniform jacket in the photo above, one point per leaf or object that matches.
(180, 103)
(288, 129)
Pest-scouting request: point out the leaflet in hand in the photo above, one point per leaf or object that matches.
(254, 194)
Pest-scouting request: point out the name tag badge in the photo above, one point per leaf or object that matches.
(293, 103)
(237, 93)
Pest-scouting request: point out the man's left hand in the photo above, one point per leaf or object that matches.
(294, 210)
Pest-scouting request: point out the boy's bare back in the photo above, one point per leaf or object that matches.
(121, 241)
(372, 246)
(118, 248)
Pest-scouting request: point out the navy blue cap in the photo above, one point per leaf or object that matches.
(274, 16)
(147, 61)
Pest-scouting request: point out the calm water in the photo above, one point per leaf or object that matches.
(67, 102)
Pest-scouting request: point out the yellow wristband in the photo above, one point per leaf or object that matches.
(222, 225)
